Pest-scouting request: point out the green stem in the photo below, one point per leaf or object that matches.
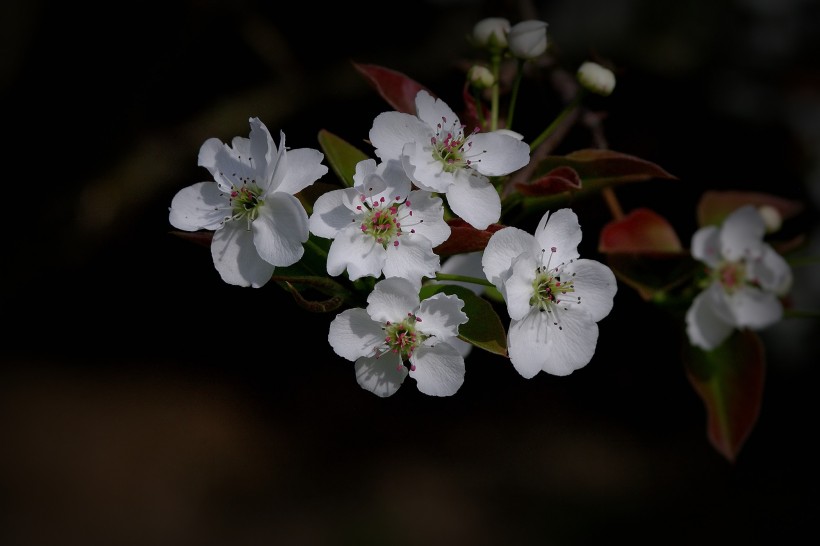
(803, 260)
(516, 84)
(572, 105)
(495, 62)
(316, 248)
(462, 278)
(479, 106)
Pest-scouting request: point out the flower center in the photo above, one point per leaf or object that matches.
(383, 221)
(245, 202)
(550, 291)
(732, 276)
(402, 338)
(450, 146)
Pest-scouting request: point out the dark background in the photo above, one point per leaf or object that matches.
(145, 402)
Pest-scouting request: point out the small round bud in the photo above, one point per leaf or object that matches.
(596, 78)
(491, 33)
(771, 217)
(528, 39)
(480, 77)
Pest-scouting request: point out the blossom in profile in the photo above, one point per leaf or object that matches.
(745, 279)
(257, 221)
(491, 33)
(439, 157)
(381, 225)
(528, 39)
(397, 335)
(554, 298)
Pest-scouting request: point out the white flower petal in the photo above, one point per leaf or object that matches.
(527, 343)
(236, 259)
(441, 315)
(427, 173)
(502, 248)
(304, 167)
(200, 206)
(434, 112)
(412, 259)
(392, 299)
(560, 231)
(704, 328)
(280, 229)
(428, 217)
(518, 286)
(353, 334)
(463, 348)
(772, 271)
(262, 151)
(755, 309)
(331, 213)
(497, 154)
(439, 370)
(705, 245)
(392, 130)
(357, 252)
(380, 375)
(595, 286)
(563, 340)
(742, 234)
(474, 199)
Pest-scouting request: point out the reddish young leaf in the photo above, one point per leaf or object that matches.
(729, 380)
(465, 238)
(641, 230)
(715, 205)
(202, 238)
(558, 180)
(600, 168)
(397, 89)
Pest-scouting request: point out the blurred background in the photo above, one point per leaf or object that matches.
(145, 402)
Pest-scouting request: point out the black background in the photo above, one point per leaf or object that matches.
(146, 402)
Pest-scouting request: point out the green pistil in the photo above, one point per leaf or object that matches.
(732, 275)
(548, 290)
(245, 202)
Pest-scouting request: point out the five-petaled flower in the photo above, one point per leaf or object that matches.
(746, 278)
(554, 299)
(381, 225)
(439, 157)
(257, 221)
(396, 328)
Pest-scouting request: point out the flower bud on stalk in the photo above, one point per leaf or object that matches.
(528, 39)
(491, 33)
(596, 78)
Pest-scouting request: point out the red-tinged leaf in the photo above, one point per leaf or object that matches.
(465, 238)
(394, 87)
(600, 168)
(559, 179)
(729, 380)
(202, 238)
(341, 155)
(484, 328)
(714, 206)
(641, 230)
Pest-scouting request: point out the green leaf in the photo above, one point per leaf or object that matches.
(729, 380)
(484, 328)
(341, 155)
(394, 87)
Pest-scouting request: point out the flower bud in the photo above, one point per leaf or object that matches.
(528, 39)
(771, 218)
(491, 33)
(480, 77)
(596, 78)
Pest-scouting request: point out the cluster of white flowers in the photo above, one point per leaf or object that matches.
(387, 225)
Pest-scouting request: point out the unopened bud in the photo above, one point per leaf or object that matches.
(528, 39)
(491, 33)
(480, 76)
(771, 217)
(596, 78)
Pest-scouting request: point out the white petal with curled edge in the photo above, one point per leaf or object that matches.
(560, 231)
(392, 299)
(439, 370)
(280, 230)
(441, 315)
(772, 271)
(704, 328)
(331, 213)
(199, 206)
(518, 286)
(380, 375)
(392, 130)
(412, 259)
(357, 252)
(502, 248)
(353, 334)
(236, 259)
(304, 167)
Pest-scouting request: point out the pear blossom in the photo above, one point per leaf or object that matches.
(528, 39)
(554, 298)
(381, 225)
(397, 335)
(746, 279)
(257, 221)
(439, 157)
